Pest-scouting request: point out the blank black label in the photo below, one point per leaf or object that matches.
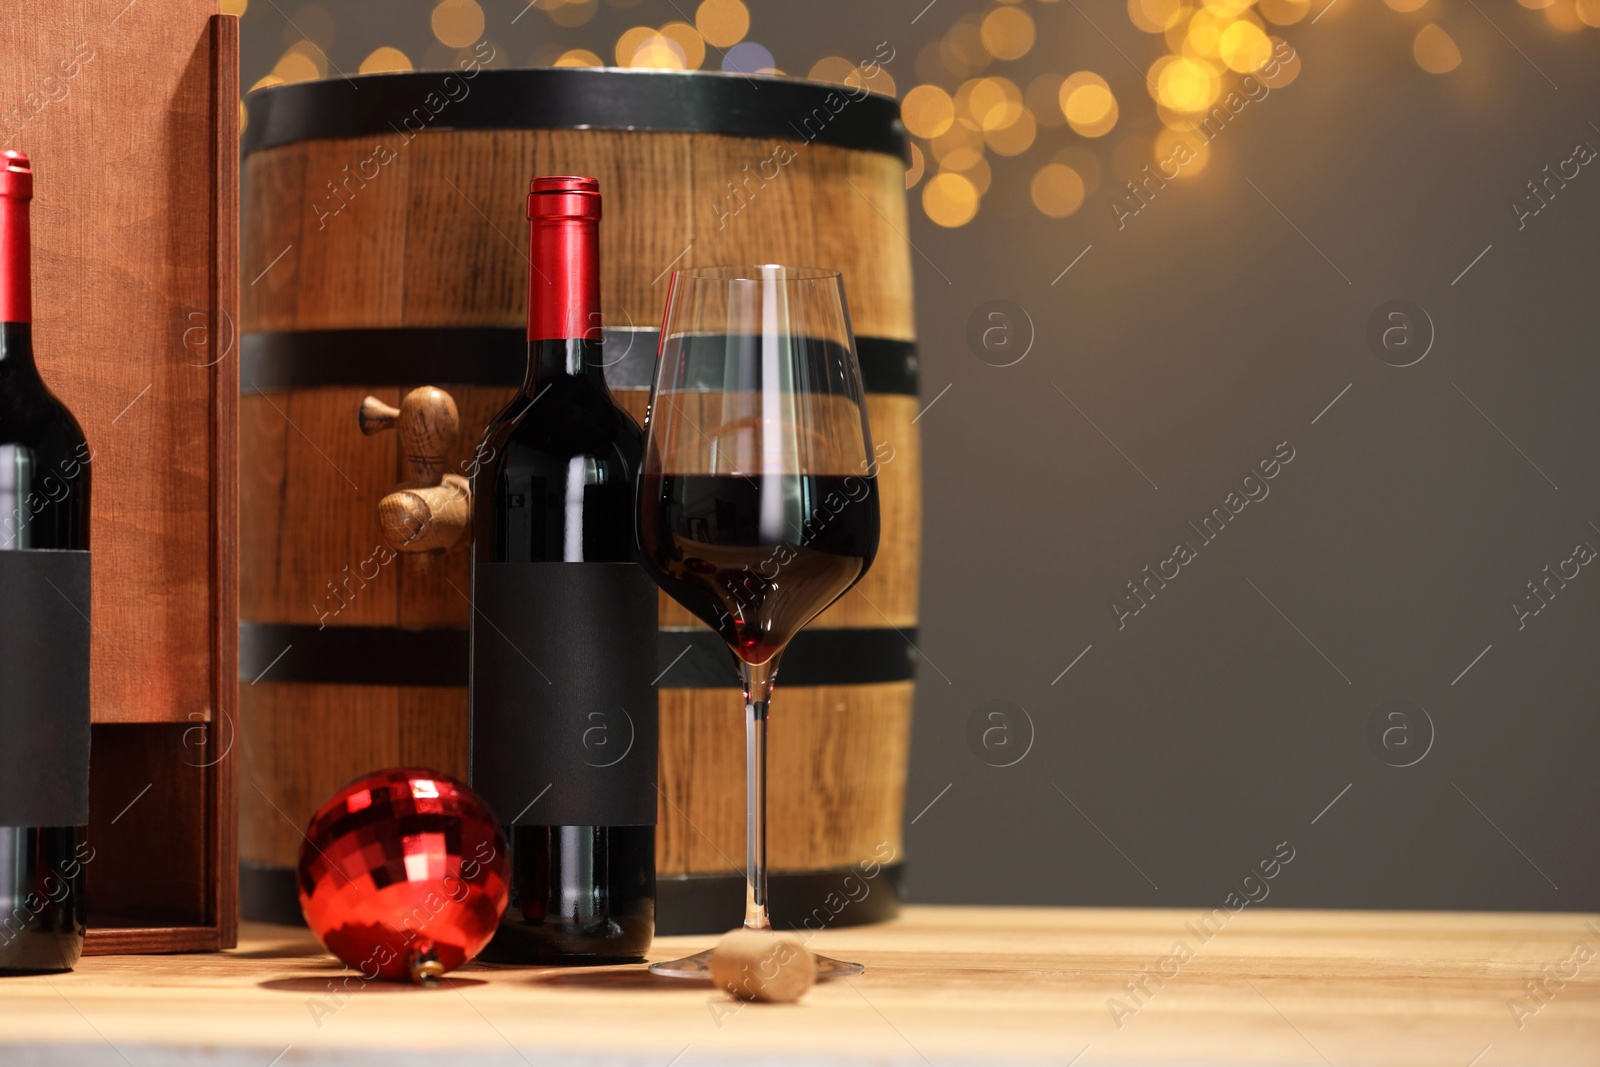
(44, 688)
(563, 705)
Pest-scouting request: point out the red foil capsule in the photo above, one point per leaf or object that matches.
(564, 248)
(16, 190)
(404, 874)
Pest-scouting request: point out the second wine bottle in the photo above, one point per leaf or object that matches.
(563, 708)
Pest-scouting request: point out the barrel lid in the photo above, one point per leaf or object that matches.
(600, 98)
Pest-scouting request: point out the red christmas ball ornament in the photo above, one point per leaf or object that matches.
(404, 874)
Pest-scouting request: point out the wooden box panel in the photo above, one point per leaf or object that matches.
(129, 113)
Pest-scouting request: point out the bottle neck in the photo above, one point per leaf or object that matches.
(16, 350)
(563, 301)
(16, 303)
(553, 358)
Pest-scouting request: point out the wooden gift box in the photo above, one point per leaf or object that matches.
(129, 112)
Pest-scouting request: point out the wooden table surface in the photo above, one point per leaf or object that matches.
(944, 986)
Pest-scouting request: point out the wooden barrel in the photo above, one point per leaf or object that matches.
(385, 247)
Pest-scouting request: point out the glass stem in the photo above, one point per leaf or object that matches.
(758, 681)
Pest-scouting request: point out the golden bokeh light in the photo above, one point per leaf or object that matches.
(1563, 15)
(993, 103)
(1244, 47)
(630, 42)
(266, 82)
(1589, 12)
(1013, 139)
(659, 52)
(1406, 5)
(1088, 104)
(832, 69)
(927, 111)
(457, 23)
(1435, 50)
(579, 57)
(1057, 190)
(1154, 16)
(949, 199)
(689, 42)
(1007, 32)
(573, 13)
(722, 22)
(836, 70)
(235, 7)
(1535, 4)
(301, 63)
(384, 59)
(1188, 84)
(1284, 12)
(1204, 36)
(919, 163)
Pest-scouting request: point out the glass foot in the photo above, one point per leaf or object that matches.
(699, 966)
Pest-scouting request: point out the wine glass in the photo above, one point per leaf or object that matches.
(758, 498)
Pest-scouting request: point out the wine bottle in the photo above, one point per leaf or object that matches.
(44, 629)
(562, 698)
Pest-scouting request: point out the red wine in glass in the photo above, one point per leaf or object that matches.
(703, 540)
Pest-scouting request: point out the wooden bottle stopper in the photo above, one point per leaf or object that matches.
(763, 965)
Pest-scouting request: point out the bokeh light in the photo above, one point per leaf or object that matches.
(919, 163)
(1154, 16)
(1406, 5)
(1057, 190)
(234, 7)
(578, 57)
(1007, 32)
(302, 62)
(572, 13)
(950, 199)
(747, 57)
(722, 22)
(1187, 84)
(630, 42)
(1284, 12)
(384, 59)
(1435, 50)
(993, 103)
(927, 111)
(1088, 104)
(457, 23)
(690, 44)
(1244, 47)
(659, 52)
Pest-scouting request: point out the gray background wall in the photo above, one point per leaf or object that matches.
(1227, 716)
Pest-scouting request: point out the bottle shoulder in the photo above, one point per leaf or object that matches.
(563, 419)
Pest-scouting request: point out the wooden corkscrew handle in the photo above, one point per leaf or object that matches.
(429, 509)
